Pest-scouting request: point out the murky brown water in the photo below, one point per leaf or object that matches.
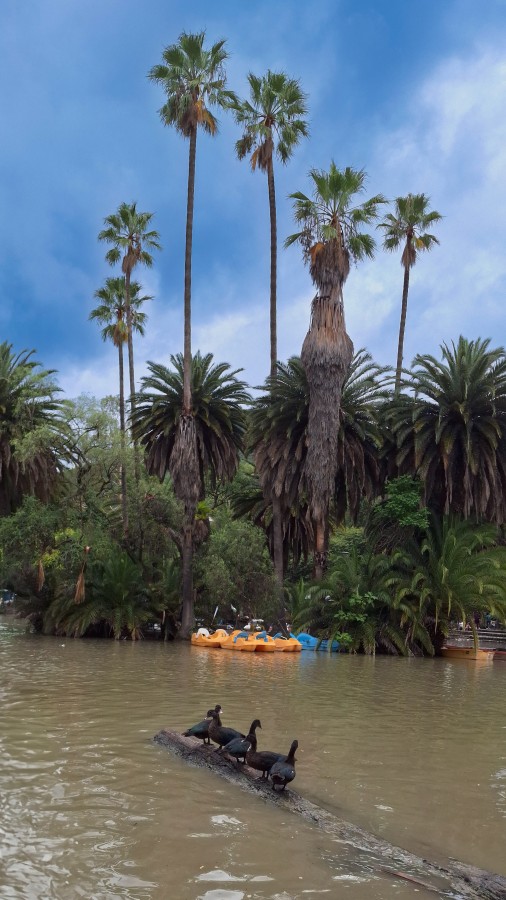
(412, 750)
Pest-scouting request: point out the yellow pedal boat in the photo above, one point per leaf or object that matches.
(238, 640)
(263, 642)
(287, 645)
(202, 638)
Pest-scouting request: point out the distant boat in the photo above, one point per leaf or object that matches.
(309, 642)
(500, 654)
(467, 653)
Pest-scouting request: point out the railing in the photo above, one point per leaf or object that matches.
(489, 638)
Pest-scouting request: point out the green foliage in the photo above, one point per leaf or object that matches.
(218, 397)
(234, 568)
(131, 237)
(194, 80)
(24, 537)
(111, 312)
(458, 569)
(356, 605)
(402, 504)
(33, 437)
(408, 226)
(278, 437)
(330, 214)
(450, 430)
(116, 599)
(272, 119)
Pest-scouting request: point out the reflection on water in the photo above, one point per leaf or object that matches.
(92, 809)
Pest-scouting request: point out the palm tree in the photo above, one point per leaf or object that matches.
(279, 437)
(117, 601)
(330, 239)
(247, 501)
(128, 231)
(194, 80)
(218, 398)
(33, 434)
(273, 122)
(112, 313)
(355, 604)
(408, 226)
(450, 430)
(456, 571)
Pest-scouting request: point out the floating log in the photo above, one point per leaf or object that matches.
(451, 878)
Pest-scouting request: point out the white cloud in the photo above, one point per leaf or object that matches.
(453, 147)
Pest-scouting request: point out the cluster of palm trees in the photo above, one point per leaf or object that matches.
(331, 428)
(331, 235)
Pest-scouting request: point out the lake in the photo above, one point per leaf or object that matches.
(412, 750)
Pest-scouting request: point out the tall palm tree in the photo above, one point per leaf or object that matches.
(273, 122)
(330, 240)
(112, 314)
(33, 434)
(408, 226)
(218, 398)
(450, 429)
(194, 80)
(132, 240)
(279, 437)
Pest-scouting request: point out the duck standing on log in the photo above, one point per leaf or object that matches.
(283, 771)
(262, 760)
(239, 747)
(219, 733)
(201, 729)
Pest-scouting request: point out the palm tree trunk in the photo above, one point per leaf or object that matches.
(185, 470)
(277, 540)
(188, 614)
(276, 503)
(124, 506)
(131, 372)
(187, 355)
(326, 355)
(273, 285)
(402, 328)
(320, 550)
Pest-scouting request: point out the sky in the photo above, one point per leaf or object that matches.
(414, 94)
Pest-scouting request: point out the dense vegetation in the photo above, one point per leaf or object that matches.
(354, 501)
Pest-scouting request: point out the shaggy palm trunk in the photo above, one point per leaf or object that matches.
(184, 467)
(326, 355)
(402, 328)
(124, 505)
(131, 372)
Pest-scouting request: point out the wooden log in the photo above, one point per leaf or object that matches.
(452, 878)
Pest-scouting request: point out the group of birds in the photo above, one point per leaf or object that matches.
(280, 768)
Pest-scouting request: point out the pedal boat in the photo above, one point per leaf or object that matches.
(202, 638)
(238, 640)
(467, 653)
(263, 642)
(287, 645)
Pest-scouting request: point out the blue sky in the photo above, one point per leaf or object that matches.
(413, 93)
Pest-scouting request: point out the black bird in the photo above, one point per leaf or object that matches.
(239, 747)
(219, 734)
(201, 729)
(262, 760)
(283, 771)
